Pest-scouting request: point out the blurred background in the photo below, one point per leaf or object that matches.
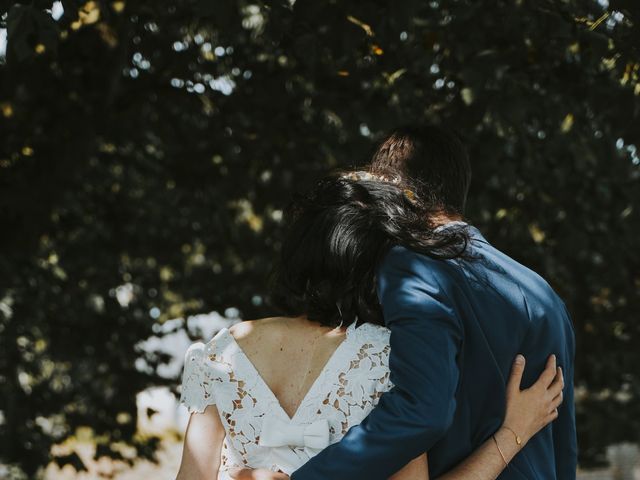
(148, 149)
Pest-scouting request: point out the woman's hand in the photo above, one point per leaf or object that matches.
(530, 410)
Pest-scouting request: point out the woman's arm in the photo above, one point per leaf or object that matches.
(528, 411)
(202, 446)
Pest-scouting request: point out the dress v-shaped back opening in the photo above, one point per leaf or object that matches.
(269, 391)
(345, 391)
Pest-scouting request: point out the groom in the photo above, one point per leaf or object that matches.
(456, 326)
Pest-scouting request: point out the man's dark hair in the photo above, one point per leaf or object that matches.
(431, 156)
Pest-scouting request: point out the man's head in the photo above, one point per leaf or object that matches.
(431, 156)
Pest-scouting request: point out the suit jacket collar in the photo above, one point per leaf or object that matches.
(475, 234)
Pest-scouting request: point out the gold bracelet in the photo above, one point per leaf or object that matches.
(504, 459)
(518, 439)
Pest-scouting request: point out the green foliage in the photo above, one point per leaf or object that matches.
(155, 144)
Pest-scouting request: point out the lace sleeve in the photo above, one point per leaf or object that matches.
(376, 349)
(382, 373)
(198, 380)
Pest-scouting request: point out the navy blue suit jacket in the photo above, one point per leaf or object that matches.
(456, 327)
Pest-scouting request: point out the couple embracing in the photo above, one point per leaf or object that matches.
(408, 347)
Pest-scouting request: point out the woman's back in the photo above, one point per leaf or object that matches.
(288, 353)
(286, 388)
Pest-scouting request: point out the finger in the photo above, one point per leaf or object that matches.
(557, 401)
(549, 373)
(551, 417)
(558, 383)
(517, 370)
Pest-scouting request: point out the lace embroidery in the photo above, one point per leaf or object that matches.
(344, 393)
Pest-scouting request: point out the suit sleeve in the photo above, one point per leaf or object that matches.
(564, 428)
(425, 340)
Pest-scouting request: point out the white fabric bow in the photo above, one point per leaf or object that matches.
(277, 433)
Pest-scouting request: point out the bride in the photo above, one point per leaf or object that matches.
(267, 395)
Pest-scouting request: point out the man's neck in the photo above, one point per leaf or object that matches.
(443, 218)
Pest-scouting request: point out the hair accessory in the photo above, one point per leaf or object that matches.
(410, 195)
(361, 175)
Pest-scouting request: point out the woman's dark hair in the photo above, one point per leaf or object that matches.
(336, 236)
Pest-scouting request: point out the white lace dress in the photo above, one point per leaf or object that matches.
(259, 433)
